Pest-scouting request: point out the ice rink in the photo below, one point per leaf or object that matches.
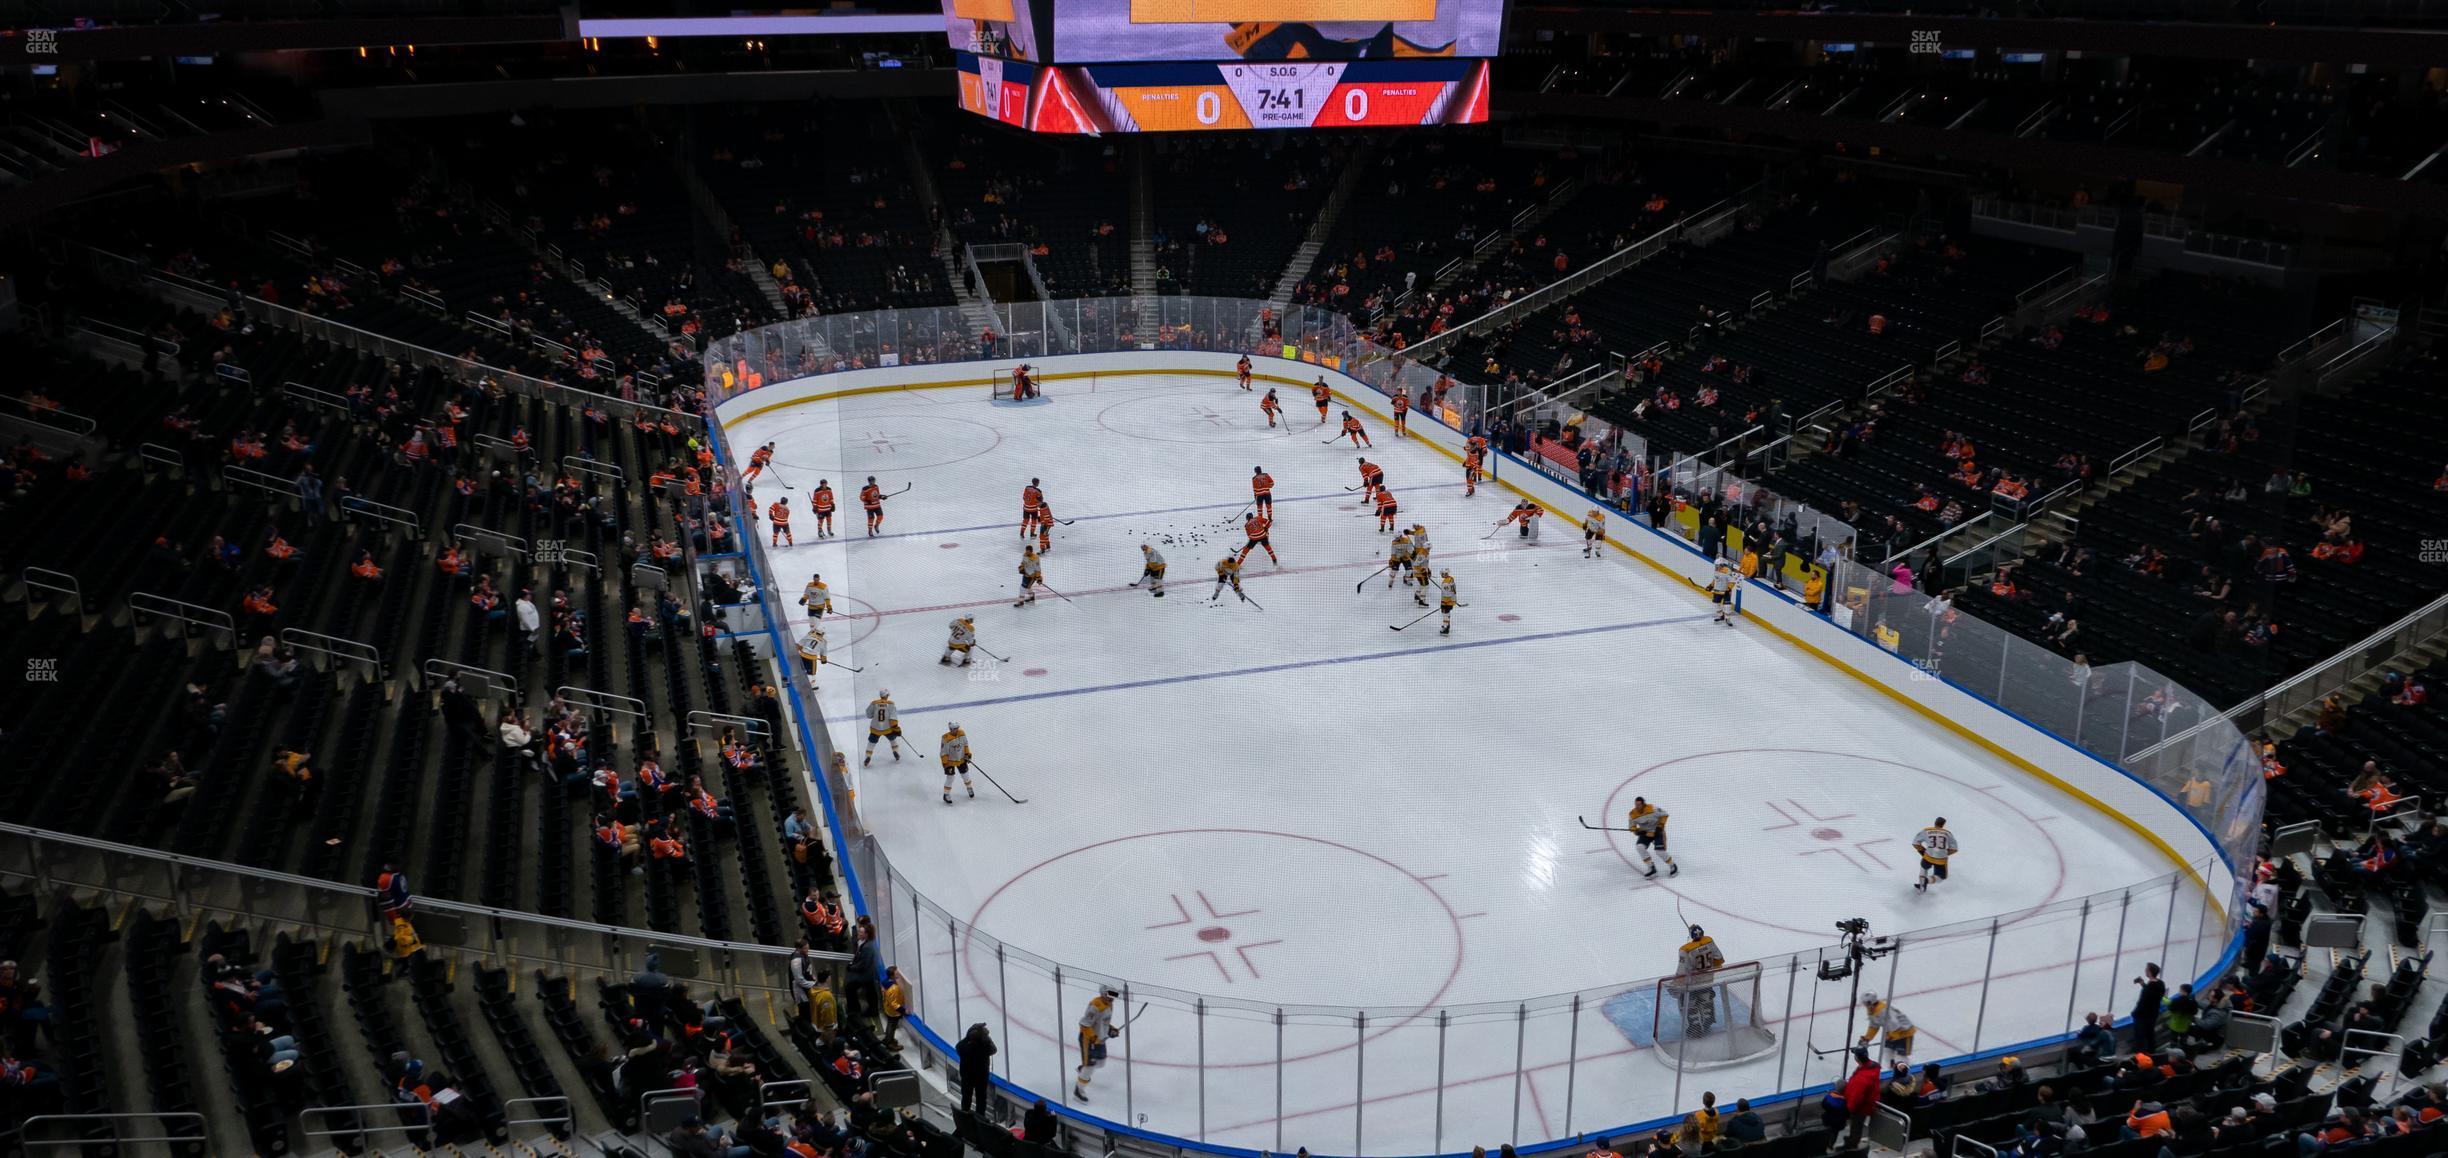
(1296, 807)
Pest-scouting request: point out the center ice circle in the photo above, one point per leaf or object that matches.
(1173, 912)
(1170, 417)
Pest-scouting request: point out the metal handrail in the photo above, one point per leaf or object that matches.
(1633, 254)
(2303, 347)
(2346, 360)
(1985, 544)
(249, 476)
(212, 619)
(403, 1127)
(566, 1120)
(359, 504)
(1940, 537)
(315, 395)
(711, 721)
(603, 701)
(576, 465)
(210, 297)
(26, 1139)
(447, 668)
(67, 584)
(47, 415)
(501, 540)
(332, 645)
(367, 897)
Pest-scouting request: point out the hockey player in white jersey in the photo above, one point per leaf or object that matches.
(1698, 956)
(1031, 574)
(812, 650)
(955, 756)
(964, 637)
(1096, 1029)
(1886, 1023)
(1648, 824)
(1151, 570)
(1721, 592)
(1935, 844)
(883, 723)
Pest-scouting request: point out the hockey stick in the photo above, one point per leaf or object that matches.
(991, 655)
(904, 490)
(1371, 575)
(843, 666)
(1246, 599)
(1598, 827)
(1235, 517)
(1492, 534)
(1057, 595)
(777, 473)
(981, 770)
(1126, 1022)
(1415, 622)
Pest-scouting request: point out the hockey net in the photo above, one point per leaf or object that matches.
(1710, 1019)
(1003, 385)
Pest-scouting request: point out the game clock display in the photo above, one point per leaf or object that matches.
(1176, 98)
(1251, 31)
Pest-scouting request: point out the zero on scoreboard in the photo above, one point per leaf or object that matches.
(1207, 97)
(1146, 31)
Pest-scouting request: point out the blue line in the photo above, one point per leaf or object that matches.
(1160, 681)
(846, 541)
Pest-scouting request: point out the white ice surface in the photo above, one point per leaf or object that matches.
(1297, 806)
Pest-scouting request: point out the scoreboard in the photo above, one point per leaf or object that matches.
(1203, 97)
(1141, 31)
(1094, 100)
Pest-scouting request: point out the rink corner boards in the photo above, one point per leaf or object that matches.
(2136, 826)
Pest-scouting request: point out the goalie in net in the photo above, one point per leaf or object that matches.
(1017, 384)
(1708, 1013)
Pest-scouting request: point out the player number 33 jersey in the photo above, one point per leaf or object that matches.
(1935, 844)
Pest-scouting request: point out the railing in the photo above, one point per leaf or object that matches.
(2312, 685)
(198, 889)
(2063, 301)
(144, 603)
(2047, 284)
(200, 295)
(2026, 213)
(1572, 283)
(344, 650)
(174, 1131)
(2303, 347)
(384, 512)
(1940, 537)
(2353, 358)
(2226, 247)
(1351, 1057)
(66, 422)
(1315, 1070)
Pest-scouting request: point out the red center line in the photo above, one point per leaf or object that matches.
(1247, 577)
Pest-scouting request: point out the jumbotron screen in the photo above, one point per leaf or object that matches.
(1250, 31)
(1207, 96)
